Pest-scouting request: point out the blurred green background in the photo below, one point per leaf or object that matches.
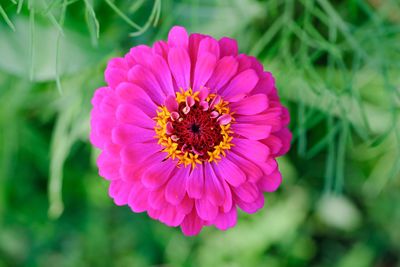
(337, 65)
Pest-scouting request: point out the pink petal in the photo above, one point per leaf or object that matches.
(171, 104)
(257, 118)
(177, 37)
(240, 86)
(141, 54)
(176, 187)
(157, 199)
(214, 190)
(271, 182)
(224, 70)
(158, 174)
(186, 205)
(228, 47)
(244, 62)
(251, 105)
(214, 114)
(203, 94)
(145, 79)
(109, 104)
(133, 171)
(268, 166)
(128, 172)
(96, 140)
(114, 76)
(205, 209)
(118, 62)
(251, 149)
(285, 116)
(226, 220)
(179, 62)
(271, 117)
(230, 172)
(224, 119)
(162, 73)
(194, 42)
(257, 66)
(274, 143)
(274, 118)
(112, 149)
(161, 48)
(252, 131)
(133, 94)
(228, 197)
(190, 101)
(205, 65)
(174, 116)
(137, 152)
(192, 224)
(101, 133)
(133, 115)
(215, 101)
(208, 45)
(286, 137)
(125, 134)
(204, 105)
(171, 216)
(138, 198)
(195, 182)
(247, 192)
(108, 166)
(169, 128)
(253, 171)
(252, 207)
(99, 94)
(120, 191)
(266, 84)
(153, 213)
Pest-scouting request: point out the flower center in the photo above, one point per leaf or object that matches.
(194, 127)
(197, 131)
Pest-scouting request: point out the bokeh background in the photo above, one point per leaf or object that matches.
(337, 67)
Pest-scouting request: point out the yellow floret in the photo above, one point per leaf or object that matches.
(190, 158)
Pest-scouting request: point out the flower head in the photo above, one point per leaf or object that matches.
(189, 131)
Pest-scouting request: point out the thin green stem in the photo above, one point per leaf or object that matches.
(6, 18)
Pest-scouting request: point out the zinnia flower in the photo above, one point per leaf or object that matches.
(189, 131)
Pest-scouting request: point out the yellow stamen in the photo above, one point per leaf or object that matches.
(189, 158)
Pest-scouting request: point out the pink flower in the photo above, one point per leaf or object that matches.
(189, 131)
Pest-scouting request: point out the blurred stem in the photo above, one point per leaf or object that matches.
(341, 154)
(20, 3)
(32, 41)
(330, 160)
(6, 18)
(123, 16)
(90, 11)
(62, 18)
(52, 18)
(155, 13)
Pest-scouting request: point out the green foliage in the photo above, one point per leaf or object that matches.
(336, 65)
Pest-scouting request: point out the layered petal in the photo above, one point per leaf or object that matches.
(179, 63)
(205, 65)
(189, 131)
(226, 220)
(224, 70)
(176, 187)
(230, 172)
(251, 105)
(240, 86)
